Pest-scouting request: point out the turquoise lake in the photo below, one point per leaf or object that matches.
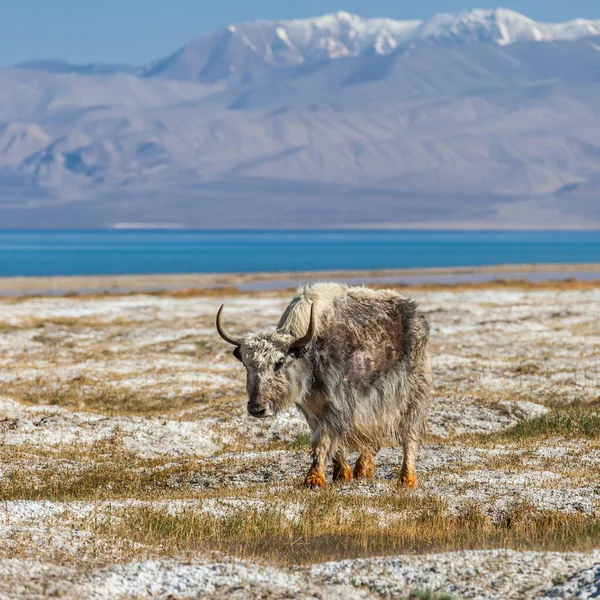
(46, 253)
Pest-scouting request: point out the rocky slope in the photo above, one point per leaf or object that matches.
(482, 118)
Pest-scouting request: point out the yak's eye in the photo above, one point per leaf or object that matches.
(279, 364)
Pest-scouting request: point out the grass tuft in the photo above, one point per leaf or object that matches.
(327, 529)
(427, 595)
(580, 421)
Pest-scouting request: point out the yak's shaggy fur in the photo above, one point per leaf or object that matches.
(363, 381)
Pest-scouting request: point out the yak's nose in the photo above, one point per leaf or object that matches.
(259, 411)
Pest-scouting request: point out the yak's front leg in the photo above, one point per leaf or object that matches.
(321, 444)
(342, 473)
(410, 445)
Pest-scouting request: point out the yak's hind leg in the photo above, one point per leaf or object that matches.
(364, 467)
(321, 444)
(410, 445)
(341, 469)
(414, 424)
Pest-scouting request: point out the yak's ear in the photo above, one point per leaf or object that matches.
(298, 352)
(238, 353)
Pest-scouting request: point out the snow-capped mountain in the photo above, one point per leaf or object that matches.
(326, 121)
(246, 49)
(500, 26)
(243, 49)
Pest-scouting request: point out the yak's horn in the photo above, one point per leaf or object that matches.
(307, 338)
(228, 338)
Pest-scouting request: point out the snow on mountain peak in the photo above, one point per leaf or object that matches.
(501, 26)
(346, 34)
(246, 48)
(335, 18)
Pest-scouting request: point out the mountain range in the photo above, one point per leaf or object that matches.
(475, 119)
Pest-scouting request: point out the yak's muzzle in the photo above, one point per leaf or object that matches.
(259, 411)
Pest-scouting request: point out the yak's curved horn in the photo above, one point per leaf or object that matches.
(228, 338)
(308, 337)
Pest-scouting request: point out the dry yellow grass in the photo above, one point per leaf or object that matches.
(158, 357)
(330, 529)
(84, 393)
(575, 422)
(290, 525)
(226, 291)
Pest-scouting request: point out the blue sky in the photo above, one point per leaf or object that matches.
(137, 31)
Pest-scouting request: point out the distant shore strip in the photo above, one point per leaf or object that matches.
(17, 286)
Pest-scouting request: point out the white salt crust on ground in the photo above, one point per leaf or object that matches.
(498, 356)
(495, 574)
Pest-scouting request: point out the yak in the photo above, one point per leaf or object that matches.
(354, 360)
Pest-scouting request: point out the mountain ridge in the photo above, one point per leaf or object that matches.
(247, 47)
(430, 131)
(241, 48)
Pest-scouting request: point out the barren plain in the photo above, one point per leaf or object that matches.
(129, 468)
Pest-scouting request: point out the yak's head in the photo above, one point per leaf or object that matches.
(275, 377)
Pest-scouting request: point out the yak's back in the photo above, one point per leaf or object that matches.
(361, 331)
(297, 313)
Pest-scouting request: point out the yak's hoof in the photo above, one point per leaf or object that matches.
(364, 469)
(314, 480)
(409, 480)
(342, 473)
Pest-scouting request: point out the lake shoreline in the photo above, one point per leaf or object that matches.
(265, 281)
